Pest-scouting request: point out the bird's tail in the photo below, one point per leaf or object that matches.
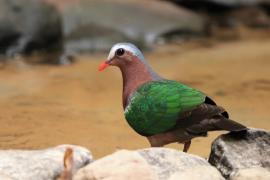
(229, 125)
(215, 123)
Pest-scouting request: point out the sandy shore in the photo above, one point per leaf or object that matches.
(43, 106)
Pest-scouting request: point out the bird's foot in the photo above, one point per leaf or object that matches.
(186, 146)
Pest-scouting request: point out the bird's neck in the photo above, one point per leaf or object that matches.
(134, 75)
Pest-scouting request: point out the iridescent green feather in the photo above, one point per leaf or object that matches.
(154, 108)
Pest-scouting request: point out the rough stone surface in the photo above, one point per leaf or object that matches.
(4, 176)
(167, 162)
(121, 165)
(40, 164)
(233, 152)
(27, 26)
(251, 174)
(197, 173)
(98, 24)
(149, 164)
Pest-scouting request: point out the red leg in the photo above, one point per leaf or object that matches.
(186, 146)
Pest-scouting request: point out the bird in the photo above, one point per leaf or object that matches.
(164, 111)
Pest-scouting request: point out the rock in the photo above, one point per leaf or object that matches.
(98, 24)
(40, 164)
(252, 16)
(91, 38)
(228, 3)
(29, 25)
(149, 164)
(251, 174)
(120, 165)
(166, 162)
(198, 172)
(233, 152)
(231, 13)
(4, 177)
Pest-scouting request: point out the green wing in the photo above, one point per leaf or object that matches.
(154, 108)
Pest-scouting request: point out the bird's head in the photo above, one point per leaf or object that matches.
(122, 54)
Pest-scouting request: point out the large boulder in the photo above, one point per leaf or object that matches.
(149, 164)
(5, 177)
(228, 3)
(40, 164)
(257, 173)
(231, 13)
(29, 25)
(98, 24)
(231, 153)
(250, 16)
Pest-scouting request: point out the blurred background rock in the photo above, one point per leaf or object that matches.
(27, 26)
(67, 27)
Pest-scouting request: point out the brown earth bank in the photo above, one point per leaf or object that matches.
(43, 106)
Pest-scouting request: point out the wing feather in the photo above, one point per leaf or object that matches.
(156, 106)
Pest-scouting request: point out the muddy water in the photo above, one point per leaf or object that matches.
(43, 106)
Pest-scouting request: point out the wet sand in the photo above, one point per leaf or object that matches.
(43, 106)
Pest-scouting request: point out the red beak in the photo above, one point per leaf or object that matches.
(103, 65)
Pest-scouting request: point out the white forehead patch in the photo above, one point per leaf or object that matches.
(127, 47)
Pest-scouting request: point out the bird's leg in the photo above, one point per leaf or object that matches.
(153, 141)
(160, 140)
(186, 146)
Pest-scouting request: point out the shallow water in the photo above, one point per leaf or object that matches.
(44, 106)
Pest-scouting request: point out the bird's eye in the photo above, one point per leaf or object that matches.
(120, 52)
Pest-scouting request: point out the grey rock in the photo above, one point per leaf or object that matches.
(168, 162)
(149, 164)
(232, 152)
(92, 38)
(251, 174)
(98, 24)
(197, 173)
(44, 164)
(4, 176)
(251, 16)
(121, 165)
(225, 2)
(27, 26)
(240, 2)
(230, 13)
